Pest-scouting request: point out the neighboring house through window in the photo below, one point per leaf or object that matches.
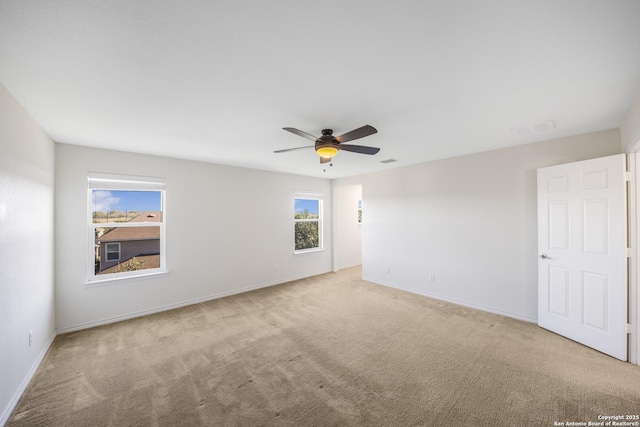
(126, 225)
(307, 216)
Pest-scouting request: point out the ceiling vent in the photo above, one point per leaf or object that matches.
(529, 130)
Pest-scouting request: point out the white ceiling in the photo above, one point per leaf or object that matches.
(218, 80)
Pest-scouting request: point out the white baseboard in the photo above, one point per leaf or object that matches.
(453, 300)
(181, 304)
(25, 382)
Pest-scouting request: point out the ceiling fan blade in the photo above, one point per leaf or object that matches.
(301, 133)
(356, 133)
(292, 149)
(359, 149)
(324, 160)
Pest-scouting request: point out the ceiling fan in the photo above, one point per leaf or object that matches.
(328, 145)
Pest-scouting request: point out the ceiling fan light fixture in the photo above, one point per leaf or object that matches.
(327, 151)
(328, 145)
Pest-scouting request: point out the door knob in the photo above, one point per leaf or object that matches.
(544, 256)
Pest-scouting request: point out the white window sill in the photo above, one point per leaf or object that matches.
(122, 279)
(307, 251)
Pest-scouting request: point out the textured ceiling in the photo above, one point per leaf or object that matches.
(218, 80)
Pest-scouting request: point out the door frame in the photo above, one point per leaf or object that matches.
(633, 202)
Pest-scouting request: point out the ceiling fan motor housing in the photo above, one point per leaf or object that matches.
(326, 145)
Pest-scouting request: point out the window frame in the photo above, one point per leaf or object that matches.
(303, 195)
(116, 182)
(107, 252)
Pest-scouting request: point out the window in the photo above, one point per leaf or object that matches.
(112, 251)
(126, 226)
(307, 215)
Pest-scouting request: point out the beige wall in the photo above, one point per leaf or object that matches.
(228, 230)
(26, 248)
(469, 221)
(630, 128)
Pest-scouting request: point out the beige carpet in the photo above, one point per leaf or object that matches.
(331, 350)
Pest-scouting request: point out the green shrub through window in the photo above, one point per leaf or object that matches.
(307, 218)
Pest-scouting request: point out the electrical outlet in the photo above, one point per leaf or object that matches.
(30, 338)
(275, 267)
(432, 277)
(388, 270)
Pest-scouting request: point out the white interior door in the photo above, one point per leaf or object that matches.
(582, 264)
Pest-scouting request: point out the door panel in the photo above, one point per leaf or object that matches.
(559, 291)
(559, 224)
(582, 268)
(595, 291)
(595, 239)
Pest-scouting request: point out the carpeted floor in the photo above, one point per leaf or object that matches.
(331, 350)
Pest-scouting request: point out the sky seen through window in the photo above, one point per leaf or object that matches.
(110, 200)
(312, 206)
